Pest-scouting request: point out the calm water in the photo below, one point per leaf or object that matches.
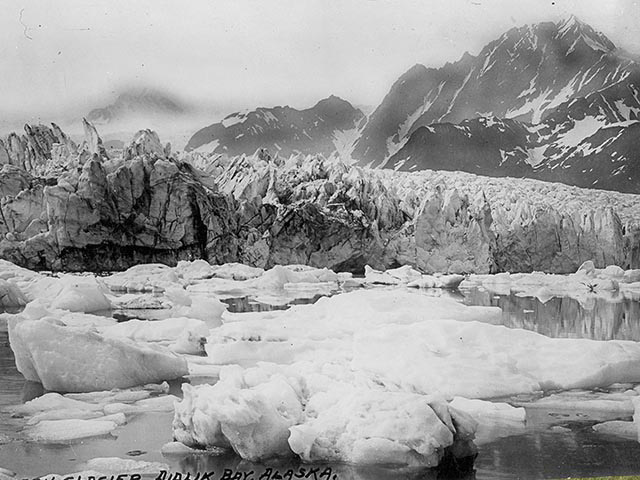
(550, 446)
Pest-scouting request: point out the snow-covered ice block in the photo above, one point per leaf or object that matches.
(59, 431)
(70, 359)
(495, 419)
(80, 294)
(253, 421)
(614, 404)
(372, 427)
(195, 270)
(373, 276)
(163, 403)
(137, 301)
(432, 281)
(152, 277)
(236, 271)
(325, 329)
(79, 319)
(619, 428)
(169, 329)
(64, 414)
(10, 295)
(54, 402)
(209, 310)
(276, 277)
(481, 409)
(477, 360)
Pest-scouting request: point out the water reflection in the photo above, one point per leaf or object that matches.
(250, 304)
(576, 451)
(563, 317)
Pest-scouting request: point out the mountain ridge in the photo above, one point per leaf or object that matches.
(281, 129)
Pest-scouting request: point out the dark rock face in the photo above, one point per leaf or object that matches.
(282, 130)
(556, 102)
(109, 214)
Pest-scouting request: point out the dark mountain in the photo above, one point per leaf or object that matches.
(525, 75)
(590, 141)
(133, 104)
(325, 128)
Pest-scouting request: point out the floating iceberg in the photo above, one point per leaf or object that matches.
(10, 295)
(367, 427)
(618, 428)
(71, 359)
(308, 410)
(151, 277)
(253, 421)
(410, 277)
(80, 294)
(587, 282)
(59, 431)
(477, 360)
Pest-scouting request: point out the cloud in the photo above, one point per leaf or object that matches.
(66, 56)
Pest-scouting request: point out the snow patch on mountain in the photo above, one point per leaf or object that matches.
(344, 141)
(581, 130)
(234, 119)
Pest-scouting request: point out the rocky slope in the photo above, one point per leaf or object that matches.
(553, 101)
(322, 129)
(81, 210)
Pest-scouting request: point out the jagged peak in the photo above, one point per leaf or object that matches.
(331, 101)
(146, 142)
(568, 23)
(574, 29)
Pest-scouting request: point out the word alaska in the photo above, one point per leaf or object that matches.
(312, 473)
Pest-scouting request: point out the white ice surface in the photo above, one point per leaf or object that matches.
(317, 412)
(59, 431)
(74, 359)
(618, 428)
(587, 283)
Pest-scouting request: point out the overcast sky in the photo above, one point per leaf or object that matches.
(65, 54)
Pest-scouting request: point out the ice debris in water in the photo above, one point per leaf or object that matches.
(587, 282)
(10, 295)
(78, 359)
(410, 277)
(60, 431)
(267, 411)
(56, 418)
(617, 428)
(330, 358)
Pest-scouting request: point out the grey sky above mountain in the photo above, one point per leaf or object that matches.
(67, 56)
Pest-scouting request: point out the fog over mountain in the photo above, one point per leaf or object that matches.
(64, 62)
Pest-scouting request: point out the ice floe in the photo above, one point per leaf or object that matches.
(56, 418)
(272, 411)
(59, 431)
(406, 275)
(586, 283)
(10, 295)
(618, 428)
(78, 359)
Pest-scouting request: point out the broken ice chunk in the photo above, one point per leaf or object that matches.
(69, 359)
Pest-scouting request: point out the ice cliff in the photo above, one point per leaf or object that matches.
(68, 206)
